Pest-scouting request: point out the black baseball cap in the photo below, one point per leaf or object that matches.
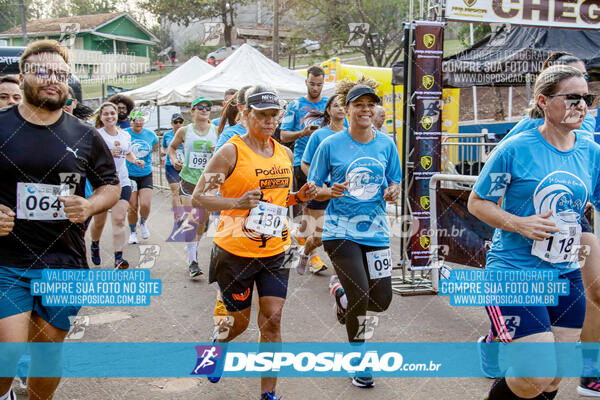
(264, 101)
(361, 90)
(176, 116)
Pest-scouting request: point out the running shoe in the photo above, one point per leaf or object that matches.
(194, 269)
(337, 291)
(302, 261)
(269, 396)
(96, 255)
(145, 232)
(589, 387)
(488, 359)
(133, 238)
(121, 263)
(218, 371)
(301, 240)
(316, 265)
(364, 382)
(340, 311)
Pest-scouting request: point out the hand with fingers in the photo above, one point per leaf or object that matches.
(337, 189)
(249, 200)
(7, 220)
(537, 227)
(77, 208)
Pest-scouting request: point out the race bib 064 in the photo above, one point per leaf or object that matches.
(39, 201)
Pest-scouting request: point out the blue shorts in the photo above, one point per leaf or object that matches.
(15, 298)
(514, 322)
(172, 174)
(125, 193)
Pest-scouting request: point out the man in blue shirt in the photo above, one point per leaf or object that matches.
(293, 129)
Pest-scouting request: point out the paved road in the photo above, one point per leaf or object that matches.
(183, 313)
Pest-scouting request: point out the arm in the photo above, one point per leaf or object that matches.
(535, 227)
(79, 209)
(217, 170)
(134, 160)
(305, 167)
(307, 192)
(291, 136)
(172, 149)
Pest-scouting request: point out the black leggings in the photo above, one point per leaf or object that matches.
(364, 294)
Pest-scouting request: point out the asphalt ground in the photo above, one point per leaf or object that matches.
(183, 313)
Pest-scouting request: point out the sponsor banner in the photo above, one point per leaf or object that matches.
(527, 287)
(383, 359)
(578, 14)
(428, 124)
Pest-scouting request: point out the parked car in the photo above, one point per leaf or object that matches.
(216, 57)
(309, 45)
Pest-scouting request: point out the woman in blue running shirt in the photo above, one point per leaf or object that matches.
(332, 121)
(545, 177)
(363, 167)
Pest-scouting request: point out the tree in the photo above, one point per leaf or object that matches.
(186, 11)
(479, 31)
(328, 22)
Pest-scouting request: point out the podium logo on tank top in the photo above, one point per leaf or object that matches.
(277, 177)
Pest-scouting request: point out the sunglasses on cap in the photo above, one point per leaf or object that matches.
(573, 100)
(200, 107)
(68, 102)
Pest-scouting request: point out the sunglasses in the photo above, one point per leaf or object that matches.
(200, 107)
(178, 121)
(573, 100)
(68, 102)
(586, 76)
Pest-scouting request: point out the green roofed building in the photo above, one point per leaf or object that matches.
(101, 45)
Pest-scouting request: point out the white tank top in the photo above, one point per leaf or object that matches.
(122, 140)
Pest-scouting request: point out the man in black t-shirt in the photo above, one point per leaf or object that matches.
(45, 156)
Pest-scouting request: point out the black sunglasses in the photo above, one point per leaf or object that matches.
(573, 100)
(200, 107)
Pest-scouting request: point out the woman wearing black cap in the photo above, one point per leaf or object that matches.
(365, 172)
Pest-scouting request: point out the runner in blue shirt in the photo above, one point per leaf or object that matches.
(171, 173)
(143, 143)
(591, 329)
(364, 168)
(332, 121)
(545, 177)
(293, 129)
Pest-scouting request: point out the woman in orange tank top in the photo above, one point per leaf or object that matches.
(253, 174)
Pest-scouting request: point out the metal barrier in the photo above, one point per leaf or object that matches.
(158, 170)
(434, 264)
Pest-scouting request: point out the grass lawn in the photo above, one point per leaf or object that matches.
(94, 88)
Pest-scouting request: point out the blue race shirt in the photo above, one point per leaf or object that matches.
(228, 133)
(360, 214)
(534, 177)
(314, 141)
(166, 141)
(294, 113)
(124, 124)
(587, 126)
(141, 146)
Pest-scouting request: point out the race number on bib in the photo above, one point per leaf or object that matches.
(562, 246)
(39, 201)
(198, 160)
(379, 263)
(268, 219)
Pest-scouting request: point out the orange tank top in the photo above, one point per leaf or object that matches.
(273, 176)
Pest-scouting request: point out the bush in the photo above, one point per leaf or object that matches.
(194, 48)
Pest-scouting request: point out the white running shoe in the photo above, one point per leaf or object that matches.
(145, 232)
(302, 261)
(133, 238)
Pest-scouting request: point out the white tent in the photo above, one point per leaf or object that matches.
(188, 71)
(246, 66)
